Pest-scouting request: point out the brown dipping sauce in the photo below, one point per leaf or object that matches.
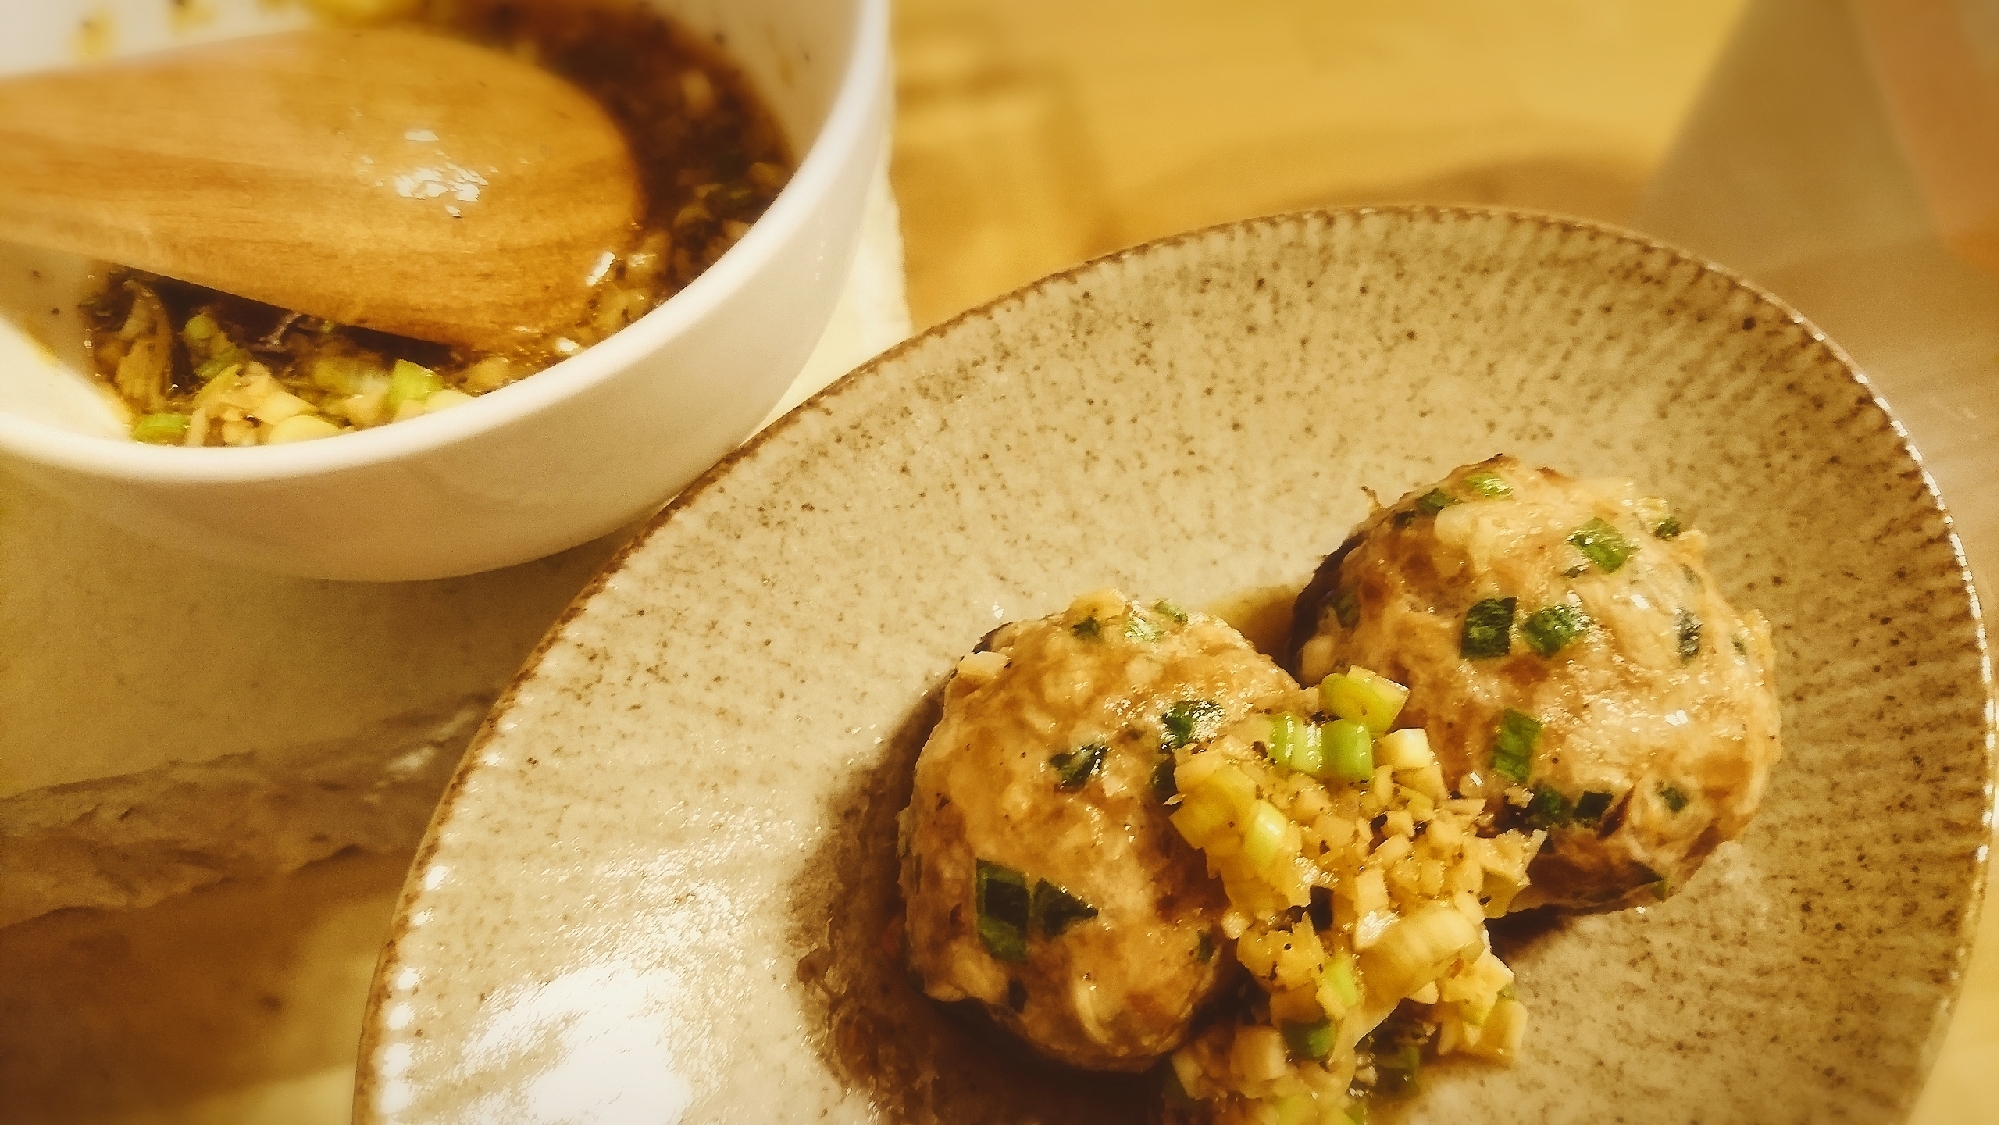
(199, 367)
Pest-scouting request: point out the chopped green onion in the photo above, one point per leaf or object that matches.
(1139, 629)
(1000, 896)
(1488, 484)
(1548, 809)
(1055, 909)
(1088, 629)
(1075, 767)
(1309, 754)
(1283, 731)
(1668, 528)
(1687, 628)
(1339, 974)
(160, 429)
(1309, 1040)
(1434, 501)
(1190, 720)
(1488, 629)
(1369, 699)
(1675, 800)
(1397, 1073)
(1163, 786)
(219, 363)
(1357, 1111)
(1602, 545)
(410, 382)
(1549, 629)
(1347, 610)
(1591, 806)
(1296, 743)
(1513, 744)
(1348, 750)
(199, 327)
(1264, 835)
(1169, 610)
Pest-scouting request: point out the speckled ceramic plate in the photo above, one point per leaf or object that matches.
(657, 888)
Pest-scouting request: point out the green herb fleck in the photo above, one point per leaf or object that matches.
(1188, 721)
(1488, 629)
(1404, 517)
(1675, 800)
(1513, 744)
(1170, 611)
(1549, 630)
(220, 362)
(1741, 646)
(1204, 950)
(1075, 767)
(1396, 1072)
(1139, 629)
(1055, 909)
(1548, 809)
(1591, 806)
(1347, 610)
(1434, 501)
(1488, 484)
(160, 429)
(1000, 895)
(1309, 1040)
(1687, 629)
(1602, 545)
(1163, 785)
(1668, 528)
(1088, 629)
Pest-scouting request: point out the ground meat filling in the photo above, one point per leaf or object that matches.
(1573, 663)
(1041, 874)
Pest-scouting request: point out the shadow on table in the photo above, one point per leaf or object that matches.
(240, 1000)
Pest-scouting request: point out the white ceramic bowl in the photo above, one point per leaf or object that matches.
(562, 457)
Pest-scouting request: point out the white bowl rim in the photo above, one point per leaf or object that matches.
(856, 103)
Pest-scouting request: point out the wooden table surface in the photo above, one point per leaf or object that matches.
(1032, 134)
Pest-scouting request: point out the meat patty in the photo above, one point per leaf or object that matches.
(1573, 663)
(1041, 875)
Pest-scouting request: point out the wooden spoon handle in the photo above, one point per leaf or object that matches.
(388, 179)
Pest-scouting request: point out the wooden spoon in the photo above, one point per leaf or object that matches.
(382, 178)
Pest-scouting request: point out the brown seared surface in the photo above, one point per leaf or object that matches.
(1638, 707)
(1115, 991)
